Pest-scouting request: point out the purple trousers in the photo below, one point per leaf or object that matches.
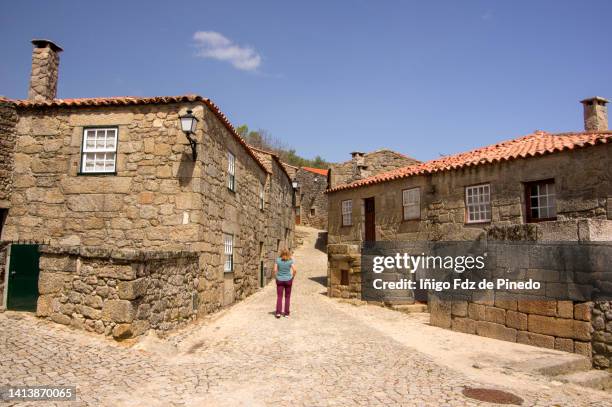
(280, 287)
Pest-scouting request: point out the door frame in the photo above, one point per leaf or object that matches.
(6, 277)
(365, 218)
(29, 245)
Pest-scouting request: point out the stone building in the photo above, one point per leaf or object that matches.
(363, 165)
(279, 207)
(8, 119)
(311, 209)
(126, 227)
(539, 187)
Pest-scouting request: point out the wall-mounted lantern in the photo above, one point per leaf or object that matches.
(188, 124)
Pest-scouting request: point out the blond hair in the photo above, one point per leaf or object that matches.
(285, 254)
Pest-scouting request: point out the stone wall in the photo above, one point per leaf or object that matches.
(602, 334)
(570, 326)
(8, 120)
(365, 165)
(578, 327)
(561, 325)
(159, 198)
(311, 196)
(118, 293)
(582, 178)
(344, 271)
(278, 209)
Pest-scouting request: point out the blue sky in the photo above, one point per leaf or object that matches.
(330, 77)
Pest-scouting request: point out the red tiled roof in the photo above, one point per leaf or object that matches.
(535, 144)
(316, 170)
(273, 155)
(136, 100)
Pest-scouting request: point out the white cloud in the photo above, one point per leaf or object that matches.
(214, 45)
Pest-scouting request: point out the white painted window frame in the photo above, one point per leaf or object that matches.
(478, 203)
(347, 212)
(548, 196)
(411, 203)
(262, 197)
(231, 171)
(228, 252)
(88, 152)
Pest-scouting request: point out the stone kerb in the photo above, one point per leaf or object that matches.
(119, 293)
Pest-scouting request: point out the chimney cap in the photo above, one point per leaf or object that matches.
(43, 43)
(595, 99)
(354, 153)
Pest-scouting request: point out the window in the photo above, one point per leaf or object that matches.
(478, 203)
(99, 150)
(228, 243)
(231, 171)
(540, 201)
(411, 203)
(347, 213)
(261, 196)
(312, 211)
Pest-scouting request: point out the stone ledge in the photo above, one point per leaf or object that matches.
(126, 255)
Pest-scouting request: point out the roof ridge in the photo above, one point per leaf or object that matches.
(482, 155)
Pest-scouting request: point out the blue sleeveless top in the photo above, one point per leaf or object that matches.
(284, 269)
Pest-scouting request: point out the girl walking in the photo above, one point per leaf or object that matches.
(284, 272)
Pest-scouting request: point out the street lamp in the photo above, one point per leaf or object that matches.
(188, 124)
(295, 184)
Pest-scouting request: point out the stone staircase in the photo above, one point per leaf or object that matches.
(569, 368)
(409, 308)
(574, 369)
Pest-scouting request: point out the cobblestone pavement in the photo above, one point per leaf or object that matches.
(320, 356)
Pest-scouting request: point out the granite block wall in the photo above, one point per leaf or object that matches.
(118, 293)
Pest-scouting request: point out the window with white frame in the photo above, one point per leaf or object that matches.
(478, 203)
(228, 250)
(231, 171)
(99, 150)
(541, 200)
(347, 213)
(261, 196)
(411, 203)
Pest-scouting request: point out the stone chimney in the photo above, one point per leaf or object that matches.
(595, 114)
(359, 165)
(45, 68)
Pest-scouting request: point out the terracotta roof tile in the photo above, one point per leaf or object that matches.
(136, 100)
(316, 170)
(259, 151)
(535, 144)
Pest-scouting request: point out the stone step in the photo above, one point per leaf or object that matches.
(560, 364)
(410, 308)
(595, 379)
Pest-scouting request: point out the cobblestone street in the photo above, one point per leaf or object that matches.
(322, 355)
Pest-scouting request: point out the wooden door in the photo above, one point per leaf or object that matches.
(370, 220)
(23, 278)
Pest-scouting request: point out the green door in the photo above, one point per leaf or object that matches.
(23, 278)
